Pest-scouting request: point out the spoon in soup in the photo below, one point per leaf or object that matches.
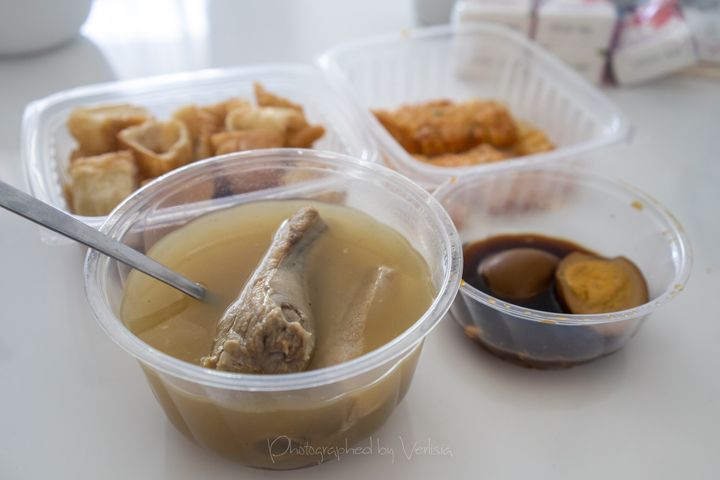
(49, 217)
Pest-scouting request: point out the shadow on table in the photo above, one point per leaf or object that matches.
(552, 390)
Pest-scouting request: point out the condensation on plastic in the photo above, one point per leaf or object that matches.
(474, 61)
(46, 142)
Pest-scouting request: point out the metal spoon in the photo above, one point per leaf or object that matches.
(49, 217)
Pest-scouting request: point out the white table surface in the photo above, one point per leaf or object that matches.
(73, 405)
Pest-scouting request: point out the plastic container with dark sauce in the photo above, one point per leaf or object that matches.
(591, 211)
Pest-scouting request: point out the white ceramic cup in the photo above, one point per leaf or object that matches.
(32, 25)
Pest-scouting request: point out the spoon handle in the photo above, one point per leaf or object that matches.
(43, 214)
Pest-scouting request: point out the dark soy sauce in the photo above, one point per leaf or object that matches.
(474, 254)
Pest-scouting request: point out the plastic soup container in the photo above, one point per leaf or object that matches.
(288, 420)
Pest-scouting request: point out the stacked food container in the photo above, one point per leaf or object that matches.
(486, 61)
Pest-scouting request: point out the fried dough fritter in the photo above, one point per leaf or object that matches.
(441, 126)
(483, 153)
(531, 140)
(451, 134)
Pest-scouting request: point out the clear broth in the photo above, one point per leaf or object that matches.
(220, 250)
(259, 428)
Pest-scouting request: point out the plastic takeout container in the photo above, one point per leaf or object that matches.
(256, 419)
(606, 216)
(474, 61)
(46, 142)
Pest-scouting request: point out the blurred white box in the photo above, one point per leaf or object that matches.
(705, 28)
(578, 32)
(516, 14)
(650, 48)
(585, 25)
(589, 64)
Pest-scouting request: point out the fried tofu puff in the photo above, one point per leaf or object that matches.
(95, 129)
(208, 124)
(77, 153)
(291, 124)
(158, 147)
(305, 137)
(204, 121)
(265, 98)
(99, 183)
(152, 148)
(299, 135)
(279, 119)
(241, 140)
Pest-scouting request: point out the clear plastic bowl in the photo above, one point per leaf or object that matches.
(46, 142)
(243, 416)
(481, 60)
(608, 217)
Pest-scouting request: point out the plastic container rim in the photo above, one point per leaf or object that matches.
(96, 265)
(29, 135)
(676, 234)
(621, 128)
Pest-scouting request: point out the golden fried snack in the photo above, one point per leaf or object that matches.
(77, 153)
(495, 121)
(204, 121)
(450, 134)
(99, 183)
(484, 153)
(304, 137)
(158, 147)
(195, 132)
(531, 140)
(95, 128)
(279, 119)
(266, 99)
(401, 133)
(283, 116)
(441, 126)
(201, 125)
(240, 140)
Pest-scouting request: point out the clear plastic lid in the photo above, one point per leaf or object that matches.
(172, 201)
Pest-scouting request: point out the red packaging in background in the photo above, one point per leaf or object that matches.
(654, 41)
